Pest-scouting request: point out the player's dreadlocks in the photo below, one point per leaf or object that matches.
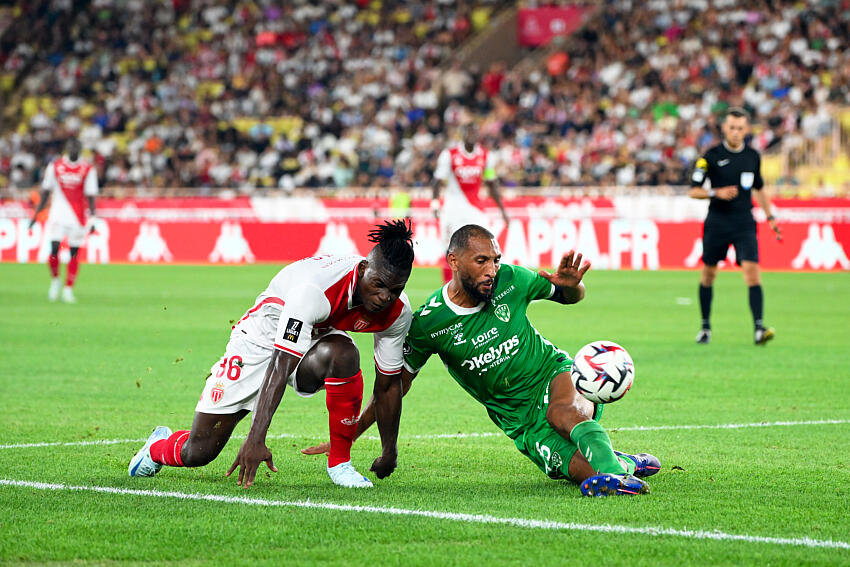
(395, 241)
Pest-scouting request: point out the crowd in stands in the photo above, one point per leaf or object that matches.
(198, 95)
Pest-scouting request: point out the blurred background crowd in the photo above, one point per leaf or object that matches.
(195, 96)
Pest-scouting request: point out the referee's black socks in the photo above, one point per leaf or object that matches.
(705, 293)
(757, 305)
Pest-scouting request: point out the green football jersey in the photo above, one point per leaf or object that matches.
(491, 350)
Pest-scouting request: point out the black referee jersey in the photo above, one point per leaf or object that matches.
(723, 167)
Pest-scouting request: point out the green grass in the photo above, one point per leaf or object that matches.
(134, 351)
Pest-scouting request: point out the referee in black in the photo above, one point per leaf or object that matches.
(734, 172)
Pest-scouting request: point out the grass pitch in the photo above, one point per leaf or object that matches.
(80, 383)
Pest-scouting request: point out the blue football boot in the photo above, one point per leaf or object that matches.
(613, 485)
(645, 464)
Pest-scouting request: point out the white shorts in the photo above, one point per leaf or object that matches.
(236, 378)
(58, 232)
(457, 213)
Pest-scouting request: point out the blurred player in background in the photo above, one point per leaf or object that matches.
(477, 325)
(296, 334)
(734, 171)
(462, 169)
(69, 184)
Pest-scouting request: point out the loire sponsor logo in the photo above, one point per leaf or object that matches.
(485, 337)
(494, 355)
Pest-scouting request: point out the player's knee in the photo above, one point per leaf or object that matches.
(342, 357)
(74, 251)
(54, 248)
(563, 417)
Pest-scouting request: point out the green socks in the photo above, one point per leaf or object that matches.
(595, 445)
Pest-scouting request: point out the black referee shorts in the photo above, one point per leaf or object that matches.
(718, 236)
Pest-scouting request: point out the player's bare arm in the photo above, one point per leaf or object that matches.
(367, 417)
(567, 279)
(763, 200)
(493, 188)
(44, 198)
(253, 450)
(91, 213)
(387, 402)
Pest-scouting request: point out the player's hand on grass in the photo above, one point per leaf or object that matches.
(320, 449)
(569, 272)
(727, 193)
(248, 459)
(384, 465)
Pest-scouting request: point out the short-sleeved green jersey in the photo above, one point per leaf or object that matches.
(491, 350)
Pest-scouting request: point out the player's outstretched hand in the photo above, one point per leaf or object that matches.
(320, 449)
(569, 272)
(248, 460)
(384, 466)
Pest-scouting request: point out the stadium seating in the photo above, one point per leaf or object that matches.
(194, 96)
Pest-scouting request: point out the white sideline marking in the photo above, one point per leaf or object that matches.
(457, 435)
(451, 516)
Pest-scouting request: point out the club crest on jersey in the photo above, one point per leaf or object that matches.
(293, 330)
(361, 324)
(217, 392)
(503, 313)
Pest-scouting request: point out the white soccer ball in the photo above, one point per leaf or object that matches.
(603, 372)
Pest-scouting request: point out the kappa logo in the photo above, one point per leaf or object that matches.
(433, 304)
(820, 250)
(493, 356)
(503, 313)
(293, 330)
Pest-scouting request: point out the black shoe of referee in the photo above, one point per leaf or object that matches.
(762, 335)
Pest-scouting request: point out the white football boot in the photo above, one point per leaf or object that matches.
(68, 295)
(142, 464)
(344, 474)
(55, 288)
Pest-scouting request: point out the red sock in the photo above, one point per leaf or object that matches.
(343, 398)
(53, 264)
(167, 451)
(73, 266)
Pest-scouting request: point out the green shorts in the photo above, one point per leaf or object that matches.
(545, 446)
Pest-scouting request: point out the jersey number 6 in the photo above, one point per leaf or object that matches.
(233, 367)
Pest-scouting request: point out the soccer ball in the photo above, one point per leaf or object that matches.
(603, 372)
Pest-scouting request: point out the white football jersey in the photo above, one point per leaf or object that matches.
(307, 299)
(69, 182)
(463, 173)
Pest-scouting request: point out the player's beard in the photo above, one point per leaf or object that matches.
(471, 288)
